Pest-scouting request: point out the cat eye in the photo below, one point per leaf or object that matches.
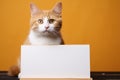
(40, 21)
(51, 21)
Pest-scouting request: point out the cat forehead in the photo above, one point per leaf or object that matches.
(46, 13)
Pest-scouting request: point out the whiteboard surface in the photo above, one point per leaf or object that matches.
(55, 61)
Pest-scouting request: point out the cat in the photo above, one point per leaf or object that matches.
(45, 26)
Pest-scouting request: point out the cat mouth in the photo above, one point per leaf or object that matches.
(46, 31)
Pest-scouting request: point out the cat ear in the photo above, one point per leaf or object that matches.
(57, 8)
(34, 9)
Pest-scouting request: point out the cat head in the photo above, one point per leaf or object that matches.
(46, 21)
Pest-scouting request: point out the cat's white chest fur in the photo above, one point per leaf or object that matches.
(41, 40)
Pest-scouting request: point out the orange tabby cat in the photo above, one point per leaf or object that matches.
(45, 29)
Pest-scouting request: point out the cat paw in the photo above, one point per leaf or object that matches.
(14, 71)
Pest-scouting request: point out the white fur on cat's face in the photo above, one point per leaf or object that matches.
(46, 27)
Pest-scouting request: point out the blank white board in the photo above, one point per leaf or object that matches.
(55, 61)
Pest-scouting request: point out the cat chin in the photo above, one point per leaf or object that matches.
(46, 33)
(43, 33)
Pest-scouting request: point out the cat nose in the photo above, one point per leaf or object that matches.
(47, 27)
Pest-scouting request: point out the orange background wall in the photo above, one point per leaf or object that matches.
(94, 22)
